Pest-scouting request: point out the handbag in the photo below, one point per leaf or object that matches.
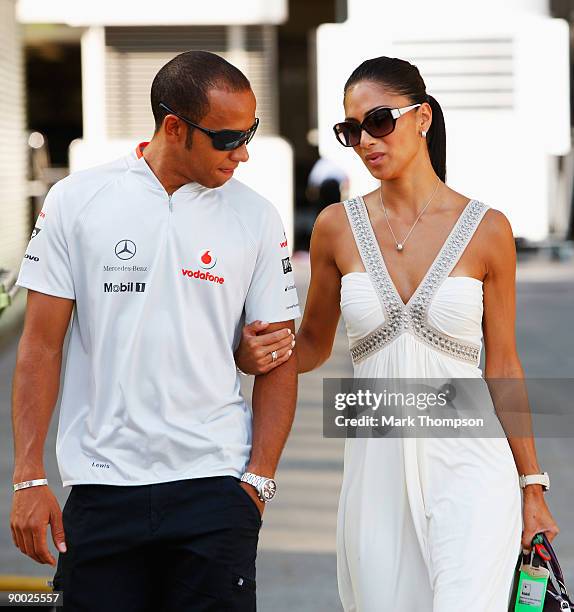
(540, 560)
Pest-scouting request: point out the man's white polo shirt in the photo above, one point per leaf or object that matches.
(162, 287)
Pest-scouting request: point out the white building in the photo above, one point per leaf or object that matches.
(499, 69)
(14, 221)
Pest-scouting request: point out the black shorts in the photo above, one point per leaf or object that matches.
(174, 546)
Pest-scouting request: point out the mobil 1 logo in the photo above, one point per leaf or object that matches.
(124, 287)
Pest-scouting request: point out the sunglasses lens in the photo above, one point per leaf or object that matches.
(230, 146)
(228, 140)
(348, 134)
(379, 123)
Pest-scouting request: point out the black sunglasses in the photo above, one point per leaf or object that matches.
(378, 123)
(222, 140)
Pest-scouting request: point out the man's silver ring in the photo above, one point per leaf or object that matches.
(274, 356)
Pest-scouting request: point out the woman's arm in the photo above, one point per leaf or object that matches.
(316, 334)
(502, 362)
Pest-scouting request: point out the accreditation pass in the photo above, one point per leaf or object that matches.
(31, 598)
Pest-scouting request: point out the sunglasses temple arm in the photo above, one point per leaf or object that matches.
(398, 112)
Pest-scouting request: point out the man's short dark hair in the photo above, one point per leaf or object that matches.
(184, 82)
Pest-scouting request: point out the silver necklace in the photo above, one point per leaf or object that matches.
(401, 245)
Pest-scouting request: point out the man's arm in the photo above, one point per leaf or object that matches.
(34, 395)
(273, 401)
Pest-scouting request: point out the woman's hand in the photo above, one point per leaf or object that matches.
(536, 516)
(254, 353)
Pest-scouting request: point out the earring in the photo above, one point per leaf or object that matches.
(423, 133)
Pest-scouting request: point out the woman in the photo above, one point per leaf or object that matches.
(418, 271)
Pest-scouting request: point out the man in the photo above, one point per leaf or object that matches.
(161, 256)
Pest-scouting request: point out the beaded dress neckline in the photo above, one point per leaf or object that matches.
(412, 316)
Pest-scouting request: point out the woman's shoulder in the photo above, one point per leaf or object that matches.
(331, 218)
(494, 240)
(330, 228)
(494, 223)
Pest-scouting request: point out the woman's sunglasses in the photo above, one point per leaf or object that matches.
(378, 123)
(222, 140)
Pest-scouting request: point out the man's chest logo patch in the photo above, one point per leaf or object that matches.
(286, 265)
(125, 249)
(207, 259)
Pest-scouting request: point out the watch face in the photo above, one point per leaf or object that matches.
(268, 490)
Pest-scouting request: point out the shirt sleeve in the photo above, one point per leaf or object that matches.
(272, 295)
(46, 265)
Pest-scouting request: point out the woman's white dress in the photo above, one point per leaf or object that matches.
(424, 524)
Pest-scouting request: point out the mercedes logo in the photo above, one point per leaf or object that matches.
(125, 249)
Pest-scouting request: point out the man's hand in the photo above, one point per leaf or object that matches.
(33, 509)
(253, 494)
(253, 355)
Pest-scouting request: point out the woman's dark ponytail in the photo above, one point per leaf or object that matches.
(403, 78)
(436, 139)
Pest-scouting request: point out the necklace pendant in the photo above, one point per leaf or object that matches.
(399, 247)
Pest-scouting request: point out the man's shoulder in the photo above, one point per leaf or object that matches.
(245, 200)
(80, 186)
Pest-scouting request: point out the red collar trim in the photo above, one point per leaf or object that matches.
(140, 148)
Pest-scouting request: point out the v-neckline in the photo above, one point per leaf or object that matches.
(407, 304)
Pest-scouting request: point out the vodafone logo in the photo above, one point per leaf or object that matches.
(205, 276)
(207, 259)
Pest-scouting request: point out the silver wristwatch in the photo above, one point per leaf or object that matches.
(265, 487)
(541, 479)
